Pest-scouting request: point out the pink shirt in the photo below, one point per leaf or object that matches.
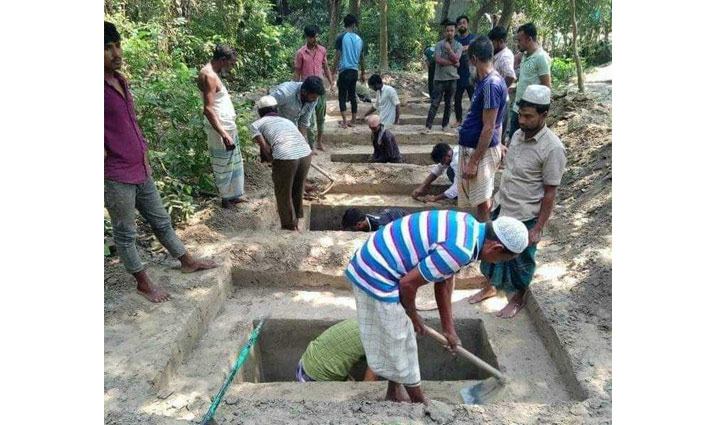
(309, 62)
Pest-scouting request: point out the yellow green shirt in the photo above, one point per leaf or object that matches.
(330, 356)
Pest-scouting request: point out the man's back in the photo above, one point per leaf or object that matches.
(350, 46)
(385, 104)
(385, 216)
(331, 355)
(438, 242)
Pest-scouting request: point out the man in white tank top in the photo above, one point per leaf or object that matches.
(220, 126)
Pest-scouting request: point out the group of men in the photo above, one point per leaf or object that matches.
(405, 251)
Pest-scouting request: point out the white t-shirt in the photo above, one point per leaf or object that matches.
(503, 63)
(385, 105)
(283, 137)
(439, 169)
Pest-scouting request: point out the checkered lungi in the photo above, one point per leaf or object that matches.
(388, 338)
(479, 189)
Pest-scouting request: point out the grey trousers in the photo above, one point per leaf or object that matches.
(288, 176)
(122, 200)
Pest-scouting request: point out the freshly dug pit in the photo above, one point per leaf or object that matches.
(283, 341)
(329, 217)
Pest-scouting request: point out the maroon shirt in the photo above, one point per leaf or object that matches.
(124, 143)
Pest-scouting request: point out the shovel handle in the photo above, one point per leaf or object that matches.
(465, 354)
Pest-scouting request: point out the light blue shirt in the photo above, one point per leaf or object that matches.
(289, 103)
(350, 46)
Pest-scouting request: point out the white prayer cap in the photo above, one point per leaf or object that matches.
(537, 94)
(373, 120)
(266, 102)
(512, 233)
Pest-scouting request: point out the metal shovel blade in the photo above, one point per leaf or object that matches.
(483, 392)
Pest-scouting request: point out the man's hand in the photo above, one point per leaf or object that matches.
(453, 341)
(430, 198)
(534, 236)
(417, 192)
(470, 169)
(418, 324)
(228, 141)
(362, 77)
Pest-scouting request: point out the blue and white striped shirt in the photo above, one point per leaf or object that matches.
(439, 243)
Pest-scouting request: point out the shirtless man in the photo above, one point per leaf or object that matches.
(221, 128)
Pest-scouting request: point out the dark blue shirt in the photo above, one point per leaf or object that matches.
(464, 73)
(384, 217)
(490, 94)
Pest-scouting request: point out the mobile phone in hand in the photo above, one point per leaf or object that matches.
(231, 147)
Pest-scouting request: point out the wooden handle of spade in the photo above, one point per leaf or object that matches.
(465, 354)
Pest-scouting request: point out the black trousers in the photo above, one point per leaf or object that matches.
(443, 90)
(458, 100)
(431, 77)
(346, 89)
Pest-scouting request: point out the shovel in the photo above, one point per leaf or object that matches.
(485, 390)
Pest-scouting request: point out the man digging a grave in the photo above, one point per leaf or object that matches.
(390, 266)
(534, 165)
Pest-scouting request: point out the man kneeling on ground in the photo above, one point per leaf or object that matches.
(385, 148)
(446, 159)
(331, 356)
(354, 219)
(283, 144)
(386, 274)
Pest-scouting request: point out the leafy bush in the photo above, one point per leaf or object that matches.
(597, 53)
(562, 70)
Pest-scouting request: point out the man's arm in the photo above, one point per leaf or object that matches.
(424, 186)
(296, 74)
(265, 149)
(408, 288)
(545, 80)
(441, 61)
(397, 113)
(208, 87)
(328, 74)
(362, 65)
(443, 292)
(547, 206)
(336, 61)
(509, 81)
(470, 169)
(370, 111)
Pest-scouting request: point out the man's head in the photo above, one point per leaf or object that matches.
(311, 32)
(480, 50)
(526, 36)
(498, 38)
(354, 219)
(266, 104)
(312, 88)
(350, 21)
(449, 29)
(462, 24)
(225, 56)
(375, 82)
(505, 238)
(442, 154)
(374, 123)
(112, 47)
(534, 107)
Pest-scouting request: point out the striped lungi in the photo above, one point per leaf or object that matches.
(478, 190)
(388, 338)
(227, 165)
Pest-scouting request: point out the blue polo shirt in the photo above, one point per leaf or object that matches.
(490, 94)
(350, 46)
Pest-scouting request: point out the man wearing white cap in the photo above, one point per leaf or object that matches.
(387, 270)
(534, 165)
(281, 143)
(385, 148)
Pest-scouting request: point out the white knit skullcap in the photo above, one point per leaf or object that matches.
(537, 94)
(512, 233)
(266, 102)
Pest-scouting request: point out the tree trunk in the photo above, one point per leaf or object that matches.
(355, 8)
(444, 9)
(335, 6)
(383, 35)
(486, 7)
(507, 12)
(579, 73)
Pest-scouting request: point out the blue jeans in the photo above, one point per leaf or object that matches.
(122, 200)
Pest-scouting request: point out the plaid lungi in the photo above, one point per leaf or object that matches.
(227, 165)
(479, 189)
(388, 338)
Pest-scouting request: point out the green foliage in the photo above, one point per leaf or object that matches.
(597, 53)
(106, 250)
(562, 70)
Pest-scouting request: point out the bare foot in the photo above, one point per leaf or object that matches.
(241, 199)
(487, 292)
(344, 124)
(517, 302)
(320, 147)
(456, 124)
(395, 393)
(152, 293)
(195, 265)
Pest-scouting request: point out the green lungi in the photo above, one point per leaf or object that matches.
(513, 275)
(318, 118)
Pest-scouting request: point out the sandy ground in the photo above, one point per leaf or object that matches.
(572, 287)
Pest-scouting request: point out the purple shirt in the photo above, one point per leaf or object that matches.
(123, 141)
(490, 94)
